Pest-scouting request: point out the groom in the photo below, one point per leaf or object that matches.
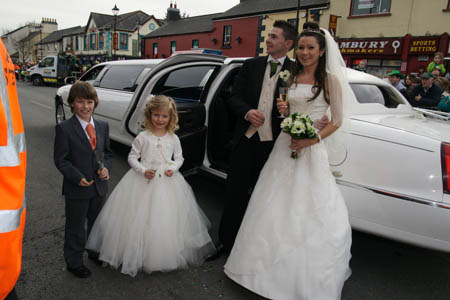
(253, 101)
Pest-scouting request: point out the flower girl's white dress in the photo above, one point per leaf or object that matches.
(152, 225)
(294, 242)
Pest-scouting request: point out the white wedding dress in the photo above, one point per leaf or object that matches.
(295, 238)
(152, 225)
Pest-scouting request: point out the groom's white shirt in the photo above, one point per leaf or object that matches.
(265, 104)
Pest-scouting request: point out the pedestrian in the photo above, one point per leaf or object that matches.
(254, 94)
(444, 103)
(436, 73)
(13, 164)
(151, 221)
(82, 154)
(438, 62)
(426, 94)
(395, 78)
(294, 242)
(362, 66)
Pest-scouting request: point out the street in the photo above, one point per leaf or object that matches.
(382, 269)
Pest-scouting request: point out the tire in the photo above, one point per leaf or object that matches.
(37, 81)
(60, 115)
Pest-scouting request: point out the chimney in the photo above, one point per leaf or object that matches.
(173, 13)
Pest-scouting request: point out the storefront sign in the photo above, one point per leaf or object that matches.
(424, 45)
(332, 28)
(386, 46)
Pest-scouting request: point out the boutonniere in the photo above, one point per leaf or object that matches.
(284, 75)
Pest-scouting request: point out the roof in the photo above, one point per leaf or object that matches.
(12, 31)
(127, 21)
(185, 26)
(30, 36)
(257, 7)
(58, 34)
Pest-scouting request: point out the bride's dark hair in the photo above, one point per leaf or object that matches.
(320, 75)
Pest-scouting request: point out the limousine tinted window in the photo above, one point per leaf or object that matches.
(184, 84)
(121, 77)
(369, 93)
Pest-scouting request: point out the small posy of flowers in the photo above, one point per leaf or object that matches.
(284, 75)
(298, 126)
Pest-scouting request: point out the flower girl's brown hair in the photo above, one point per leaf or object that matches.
(157, 102)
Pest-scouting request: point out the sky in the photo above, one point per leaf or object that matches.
(16, 13)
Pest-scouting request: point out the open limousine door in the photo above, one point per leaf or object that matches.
(187, 79)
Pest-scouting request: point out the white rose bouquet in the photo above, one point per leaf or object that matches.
(298, 126)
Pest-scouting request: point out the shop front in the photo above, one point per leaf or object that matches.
(409, 54)
(382, 54)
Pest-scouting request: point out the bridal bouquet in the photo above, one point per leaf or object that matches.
(298, 126)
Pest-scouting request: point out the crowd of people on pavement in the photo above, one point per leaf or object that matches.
(429, 88)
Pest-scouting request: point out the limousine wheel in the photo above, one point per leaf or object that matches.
(59, 113)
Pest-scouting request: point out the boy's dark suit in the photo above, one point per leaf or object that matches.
(248, 155)
(75, 159)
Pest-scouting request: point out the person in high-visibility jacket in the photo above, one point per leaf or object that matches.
(12, 178)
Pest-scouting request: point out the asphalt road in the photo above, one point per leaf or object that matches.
(382, 269)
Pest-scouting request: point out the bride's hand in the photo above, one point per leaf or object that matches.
(298, 144)
(283, 107)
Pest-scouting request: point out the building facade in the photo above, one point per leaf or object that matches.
(390, 35)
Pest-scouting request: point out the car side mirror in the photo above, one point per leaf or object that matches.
(70, 80)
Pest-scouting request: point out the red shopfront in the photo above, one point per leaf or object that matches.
(382, 54)
(407, 54)
(421, 51)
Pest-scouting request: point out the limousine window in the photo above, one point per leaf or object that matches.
(186, 84)
(369, 93)
(121, 77)
(92, 74)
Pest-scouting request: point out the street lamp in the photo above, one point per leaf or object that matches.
(297, 19)
(115, 12)
(138, 25)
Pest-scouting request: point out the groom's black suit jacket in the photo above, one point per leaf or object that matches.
(247, 91)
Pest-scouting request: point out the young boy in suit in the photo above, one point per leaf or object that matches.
(82, 154)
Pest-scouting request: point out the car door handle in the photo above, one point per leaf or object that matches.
(186, 111)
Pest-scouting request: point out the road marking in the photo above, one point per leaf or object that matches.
(43, 105)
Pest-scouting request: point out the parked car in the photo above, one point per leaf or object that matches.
(395, 164)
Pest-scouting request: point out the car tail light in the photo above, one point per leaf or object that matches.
(445, 158)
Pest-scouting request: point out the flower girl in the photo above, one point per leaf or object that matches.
(151, 221)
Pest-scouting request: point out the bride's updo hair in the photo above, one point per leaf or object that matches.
(312, 29)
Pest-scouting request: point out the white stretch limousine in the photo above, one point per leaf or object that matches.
(394, 173)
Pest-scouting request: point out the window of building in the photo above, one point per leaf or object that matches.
(173, 46)
(226, 36)
(195, 43)
(293, 22)
(155, 50)
(370, 7)
(93, 41)
(85, 42)
(123, 41)
(76, 43)
(101, 40)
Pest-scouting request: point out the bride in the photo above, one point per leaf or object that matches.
(295, 239)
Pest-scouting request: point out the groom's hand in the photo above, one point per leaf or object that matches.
(320, 124)
(255, 117)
